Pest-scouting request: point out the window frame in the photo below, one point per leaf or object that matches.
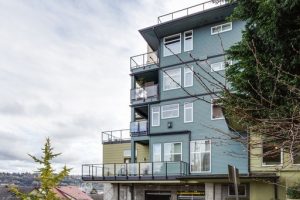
(165, 48)
(271, 165)
(163, 106)
(184, 40)
(157, 112)
(221, 31)
(184, 112)
(187, 70)
(223, 65)
(297, 164)
(210, 166)
(173, 153)
(153, 154)
(126, 150)
(233, 195)
(212, 109)
(168, 76)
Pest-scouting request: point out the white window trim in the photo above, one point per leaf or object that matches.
(202, 172)
(164, 46)
(187, 70)
(266, 165)
(153, 152)
(184, 111)
(158, 116)
(124, 155)
(223, 63)
(165, 74)
(162, 117)
(222, 31)
(211, 110)
(174, 153)
(184, 46)
(229, 195)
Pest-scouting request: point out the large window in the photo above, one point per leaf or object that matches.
(221, 28)
(272, 154)
(188, 76)
(172, 151)
(170, 111)
(172, 45)
(200, 151)
(188, 40)
(172, 79)
(216, 110)
(156, 152)
(155, 116)
(188, 112)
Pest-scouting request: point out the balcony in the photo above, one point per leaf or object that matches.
(116, 136)
(143, 60)
(135, 171)
(145, 94)
(190, 10)
(139, 128)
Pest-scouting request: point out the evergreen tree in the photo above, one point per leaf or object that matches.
(47, 176)
(265, 81)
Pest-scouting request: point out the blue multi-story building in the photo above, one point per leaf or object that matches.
(180, 144)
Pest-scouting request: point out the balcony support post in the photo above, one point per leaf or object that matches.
(166, 170)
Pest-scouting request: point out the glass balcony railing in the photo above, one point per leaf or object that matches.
(190, 10)
(116, 135)
(143, 170)
(145, 94)
(143, 60)
(139, 128)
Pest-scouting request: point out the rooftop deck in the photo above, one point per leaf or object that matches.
(190, 10)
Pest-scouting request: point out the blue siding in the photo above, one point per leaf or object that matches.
(224, 150)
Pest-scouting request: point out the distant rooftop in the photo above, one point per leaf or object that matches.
(190, 10)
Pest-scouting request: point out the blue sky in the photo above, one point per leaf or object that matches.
(64, 74)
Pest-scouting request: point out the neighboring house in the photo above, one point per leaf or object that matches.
(71, 193)
(277, 164)
(180, 145)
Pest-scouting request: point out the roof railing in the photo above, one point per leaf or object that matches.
(190, 10)
(116, 135)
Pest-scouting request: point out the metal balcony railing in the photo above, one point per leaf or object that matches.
(127, 171)
(139, 128)
(190, 10)
(116, 135)
(143, 60)
(144, 94)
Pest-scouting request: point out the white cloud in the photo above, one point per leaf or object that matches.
(64, 69)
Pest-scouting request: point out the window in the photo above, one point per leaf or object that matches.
(272, 154)
(172, 79)
(172, 151)
(156, 152)
(155, 116)
(200, 151)
(172, 45)
(127, 153)
(296, 156)
(188, 76)
(170, 111)
(219, 66)
(216, 110)
(188, 40)
(221, 28)
(241, 190)
(188, 112)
